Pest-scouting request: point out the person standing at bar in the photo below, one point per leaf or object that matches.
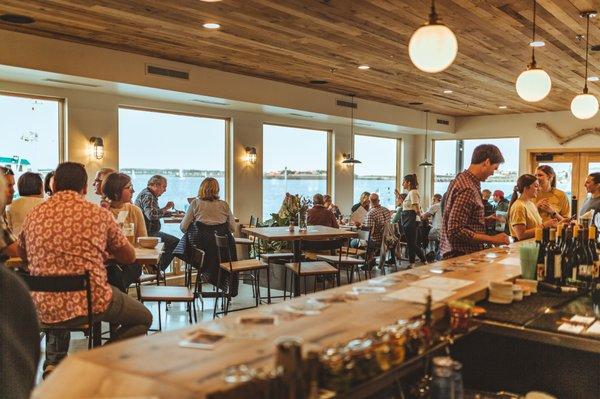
(411, 209)
(552, 203)
(463, 220)
(592, 186)
(523, 215)
(147, 200)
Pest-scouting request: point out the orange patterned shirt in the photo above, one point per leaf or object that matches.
(67, 235)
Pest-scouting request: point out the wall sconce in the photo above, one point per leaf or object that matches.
(97, 147)
(251, 155)
(349, 159)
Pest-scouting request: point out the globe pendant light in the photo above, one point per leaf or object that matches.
(426, 163)
(534, 84)
(433, 47)
(585, 106)
(349, 158)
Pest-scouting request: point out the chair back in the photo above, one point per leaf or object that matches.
(253, 221)
(197, 262)
(223, 242)
(70, 283)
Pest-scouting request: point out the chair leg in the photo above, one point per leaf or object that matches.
(159, 318)
(339, 279)
(305, 285)
(268, 283)
(229, 293)
(314, 285)
(217, 295)
(285, 283)
(194, 308)
(256, 286)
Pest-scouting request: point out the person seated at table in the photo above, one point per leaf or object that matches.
(10, 247)
(19, 333)
(523, 215)
(118, 191)
(100, 177)
(551, 202)
(207, 215)
(319, 215)
(147, 200)
(68, 235)
(328, 204)
(48, 179)
(31, 187)
(364, 202)
(376, 219)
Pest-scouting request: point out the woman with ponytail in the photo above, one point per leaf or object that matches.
(523, 215)
(552, 203)
(411, 208)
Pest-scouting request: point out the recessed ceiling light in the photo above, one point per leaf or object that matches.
(448, 92)
(211, 25)
(593, 78)
(364, 67)
(502, 106)
(537, 43)
(16, 19)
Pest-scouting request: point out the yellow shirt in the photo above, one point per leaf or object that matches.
(522, 212)
(558, 201)
(135, 216)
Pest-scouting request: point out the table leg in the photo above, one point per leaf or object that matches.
(297, 258)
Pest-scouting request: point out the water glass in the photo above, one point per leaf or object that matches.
(129, 232)
(528, 254)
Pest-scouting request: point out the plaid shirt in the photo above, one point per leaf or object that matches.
(462, 216)
(148, 203)
(6, 235)
(376, 219)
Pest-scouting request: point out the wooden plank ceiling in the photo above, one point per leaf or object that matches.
(297, 41)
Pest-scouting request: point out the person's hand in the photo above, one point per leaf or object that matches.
(500, 239)
(550, 223)
(169, 205)
(396, 192)
(105, 204)
(544, 205)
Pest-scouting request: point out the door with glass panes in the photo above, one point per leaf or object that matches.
(572, 168)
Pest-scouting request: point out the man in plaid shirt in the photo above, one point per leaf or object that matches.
(376, 218)
(463, 219)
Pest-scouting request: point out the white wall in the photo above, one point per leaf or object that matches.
(96, 114)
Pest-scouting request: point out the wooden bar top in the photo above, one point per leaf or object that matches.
(312, 233)
(155, 366)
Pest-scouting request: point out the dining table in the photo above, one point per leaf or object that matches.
(296, 236)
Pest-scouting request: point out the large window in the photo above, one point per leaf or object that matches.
(448, 163)
(183, 148)
(295, 162)
(30, 134)
(377, 172)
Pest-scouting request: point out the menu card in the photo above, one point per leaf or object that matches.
(442, 283)
(419, 295)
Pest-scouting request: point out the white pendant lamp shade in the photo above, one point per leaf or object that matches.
(584, 106)
(433, 48)
(533, 85)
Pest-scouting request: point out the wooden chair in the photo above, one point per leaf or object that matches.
(71, 283)
(247, 240)
(314, 269)
(168, 294)
(277, 258)
(252, 266)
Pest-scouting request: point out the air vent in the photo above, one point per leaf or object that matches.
(170, 73)
(544, 157)
(68, 82)
(211, 102)
(300, 115)
(443, 122)
(415, 103)
(342, 103)
(16, 19)
(595, 48)
(318, 82)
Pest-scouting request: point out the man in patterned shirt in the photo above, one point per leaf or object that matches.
(147, 200)
(68, 235)
(376, 219)
(463, 219)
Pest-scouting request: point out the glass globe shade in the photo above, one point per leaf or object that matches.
(533, 85)
(584, 106)
(433, 48)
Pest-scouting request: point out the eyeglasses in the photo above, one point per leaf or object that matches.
(129, 187)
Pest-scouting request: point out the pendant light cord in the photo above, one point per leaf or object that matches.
(587, 38)
(433, 17)
(352, 128)
(426, 131)
(533, 64)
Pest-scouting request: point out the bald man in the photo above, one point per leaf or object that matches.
(376, 218)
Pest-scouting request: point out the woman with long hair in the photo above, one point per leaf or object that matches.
(552, 203)
(523, 215)
(411, 209)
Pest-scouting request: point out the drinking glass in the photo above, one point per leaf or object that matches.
(129, 232)
(528, 254)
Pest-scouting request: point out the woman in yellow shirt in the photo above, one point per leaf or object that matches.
(552, 203)
(523, 215)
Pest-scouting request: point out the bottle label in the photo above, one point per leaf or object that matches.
(541, 271)
(557, 269)
(596, 269)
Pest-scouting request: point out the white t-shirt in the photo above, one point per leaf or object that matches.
(412, 198)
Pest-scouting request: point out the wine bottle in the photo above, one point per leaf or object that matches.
(576, 259)
(566, 257)
(594, 251)
(552, 262)
(559, 235)
(540, 264)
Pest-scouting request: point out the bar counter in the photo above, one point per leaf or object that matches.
(155, 366)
